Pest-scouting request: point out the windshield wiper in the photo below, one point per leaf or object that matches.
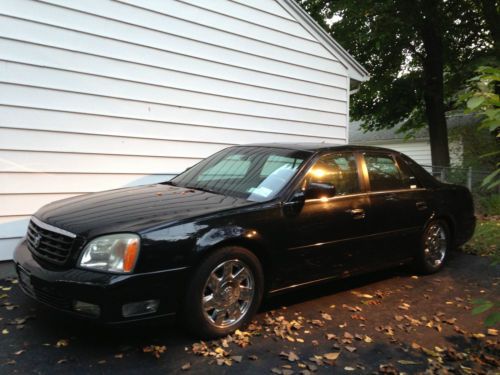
(202, 189)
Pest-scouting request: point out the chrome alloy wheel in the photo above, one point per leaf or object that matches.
(228, 293)
(435, 245)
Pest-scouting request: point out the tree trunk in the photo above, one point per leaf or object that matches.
(433, 82)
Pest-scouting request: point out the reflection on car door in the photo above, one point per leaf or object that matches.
(325, 236)
(398, 207)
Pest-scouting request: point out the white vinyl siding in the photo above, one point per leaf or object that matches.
(420, 151)
(98, 94)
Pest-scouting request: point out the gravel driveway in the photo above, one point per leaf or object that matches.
(388, 322)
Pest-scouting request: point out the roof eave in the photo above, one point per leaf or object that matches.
(355, 70)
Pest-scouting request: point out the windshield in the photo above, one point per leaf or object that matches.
(254, 173)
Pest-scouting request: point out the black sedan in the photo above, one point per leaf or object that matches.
(246, 222)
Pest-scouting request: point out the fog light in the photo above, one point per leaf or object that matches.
(140, 308)
(87, 308)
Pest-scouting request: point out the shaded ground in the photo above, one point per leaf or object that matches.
(389, 322)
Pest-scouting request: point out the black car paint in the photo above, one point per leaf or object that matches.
(179, 226)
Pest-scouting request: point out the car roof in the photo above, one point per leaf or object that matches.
(318, 147)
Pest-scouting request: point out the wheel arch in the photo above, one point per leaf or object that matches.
(450, 222)
(248, 239)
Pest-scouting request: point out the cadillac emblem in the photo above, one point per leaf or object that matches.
(36, 240)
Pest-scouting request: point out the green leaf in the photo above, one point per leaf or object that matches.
(482, 307)
(492, 319)
(475, 102)
(490, 178)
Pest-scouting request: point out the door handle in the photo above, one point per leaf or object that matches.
(421, 206)
(391, 197)
(357, 213)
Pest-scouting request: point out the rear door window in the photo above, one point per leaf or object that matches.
(385, 174)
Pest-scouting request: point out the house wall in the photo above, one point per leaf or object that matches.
(420, 151)
(103, 94)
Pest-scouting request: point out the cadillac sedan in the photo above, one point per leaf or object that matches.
(248, 222)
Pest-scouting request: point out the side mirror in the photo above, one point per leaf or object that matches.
(317, 191)
(295, 204)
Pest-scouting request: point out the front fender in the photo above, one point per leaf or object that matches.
(217, 237)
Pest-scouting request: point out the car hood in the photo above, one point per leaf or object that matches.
(133, 209)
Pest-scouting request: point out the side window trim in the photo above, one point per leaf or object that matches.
(400, 161)
(390, 155)
(357, 158)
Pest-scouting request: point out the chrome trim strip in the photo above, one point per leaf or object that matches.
(303, 284)
(43, 225)
(374, 235)
(367, 193)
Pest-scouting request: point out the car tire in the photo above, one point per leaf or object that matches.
(224, 292)
(435, 246)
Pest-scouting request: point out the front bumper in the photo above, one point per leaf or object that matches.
(60, 289)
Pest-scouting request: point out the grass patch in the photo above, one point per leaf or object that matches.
(486, 239)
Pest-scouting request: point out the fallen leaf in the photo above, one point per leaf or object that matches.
(119, 356)
(237, 358)
(19, 352)
(253, 357)
(276, 370)
(317, 322)
(415, 346)
(492, 332)
(450, 321)
(156, 350)
(404, 306)
(350, 348)
(331, 356)
(292, 357)
(368, 339)
(5, 331)
(349, 368)
(362, 295)
(388, 369)
(326, 316)
(406, 362)
(186, 366)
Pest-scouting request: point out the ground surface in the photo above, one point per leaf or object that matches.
(387, 322)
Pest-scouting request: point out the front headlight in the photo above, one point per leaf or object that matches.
(112, 253)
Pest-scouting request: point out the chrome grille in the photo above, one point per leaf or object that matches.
(49, 243)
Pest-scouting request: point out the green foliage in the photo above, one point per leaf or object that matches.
(489, 205)
(387, 37)
(481, 98)
(482, 306)
(478, 145)
(485, 242)
(486, 239)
